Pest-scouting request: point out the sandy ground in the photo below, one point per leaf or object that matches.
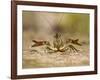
(42, 59)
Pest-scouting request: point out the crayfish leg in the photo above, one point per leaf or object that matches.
(73, 48)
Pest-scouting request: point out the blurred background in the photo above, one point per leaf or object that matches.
(71, 22)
